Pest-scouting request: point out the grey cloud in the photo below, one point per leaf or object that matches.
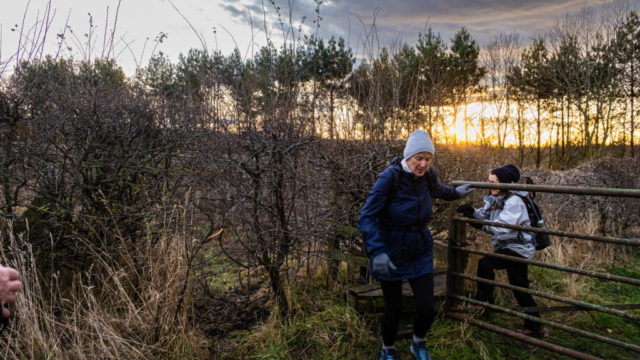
(452, 13)
(405, 18)
(255, 9)
(244, 14)
(255, 6)
(233, 11)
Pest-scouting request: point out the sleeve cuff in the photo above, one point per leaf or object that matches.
(376, 252)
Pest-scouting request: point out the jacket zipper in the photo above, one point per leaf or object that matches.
(415, 242)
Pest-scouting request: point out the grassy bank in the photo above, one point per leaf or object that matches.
(324, 327)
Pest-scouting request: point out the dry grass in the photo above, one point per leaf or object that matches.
(103, 316)
(114, 311)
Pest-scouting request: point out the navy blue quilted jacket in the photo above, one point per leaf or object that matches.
(398, 227)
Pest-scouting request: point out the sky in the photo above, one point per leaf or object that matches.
(227, 24)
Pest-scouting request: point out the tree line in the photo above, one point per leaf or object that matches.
(571, 92)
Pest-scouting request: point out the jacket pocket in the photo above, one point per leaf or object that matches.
(394, 244)
(401, 249)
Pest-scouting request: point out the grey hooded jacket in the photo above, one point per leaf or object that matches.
(513, 212)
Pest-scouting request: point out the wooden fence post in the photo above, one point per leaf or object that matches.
(456, 260)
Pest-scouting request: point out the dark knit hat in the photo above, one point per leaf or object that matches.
(507, 174)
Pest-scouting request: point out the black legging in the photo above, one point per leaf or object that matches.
(518, 274)
(423, 296)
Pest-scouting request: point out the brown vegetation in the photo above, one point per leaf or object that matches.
(128, 202)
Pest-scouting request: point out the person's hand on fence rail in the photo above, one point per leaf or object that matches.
(463, 190)
(467, 211)
(382, 264)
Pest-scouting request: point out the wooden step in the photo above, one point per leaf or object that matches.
(368, 298)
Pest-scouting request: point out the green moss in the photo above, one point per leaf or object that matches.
(36, 216)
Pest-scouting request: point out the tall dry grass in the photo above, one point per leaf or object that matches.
(112, 311)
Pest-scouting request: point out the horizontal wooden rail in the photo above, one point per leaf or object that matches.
(580, 304)
(348, 258)
(611, 240)
(552, 266)
(524, 338)
(556, 325)
(572, 190)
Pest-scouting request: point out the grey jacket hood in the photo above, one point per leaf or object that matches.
(514, 212)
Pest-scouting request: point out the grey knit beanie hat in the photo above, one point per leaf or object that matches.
(418, 142)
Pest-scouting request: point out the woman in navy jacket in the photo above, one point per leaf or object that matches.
(394, 222)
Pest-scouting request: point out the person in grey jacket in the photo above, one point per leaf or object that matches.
(506, 207)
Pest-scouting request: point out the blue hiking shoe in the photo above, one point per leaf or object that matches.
(389, 354)
(419, 350)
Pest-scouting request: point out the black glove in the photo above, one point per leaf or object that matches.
(468, 210)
